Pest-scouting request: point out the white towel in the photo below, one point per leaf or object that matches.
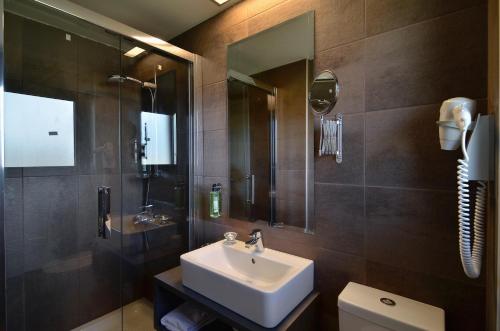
(186, 318)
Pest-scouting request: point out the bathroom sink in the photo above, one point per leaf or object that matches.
(263, 287)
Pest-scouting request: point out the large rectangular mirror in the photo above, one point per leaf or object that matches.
(270, 128)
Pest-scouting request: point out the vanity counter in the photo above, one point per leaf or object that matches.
(170, 293)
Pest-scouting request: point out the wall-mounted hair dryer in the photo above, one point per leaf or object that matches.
(455, 119)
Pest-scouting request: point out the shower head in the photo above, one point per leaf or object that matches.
(122, 79)
(116, 79)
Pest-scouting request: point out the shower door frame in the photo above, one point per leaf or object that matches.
(165, 48)
(3, 313)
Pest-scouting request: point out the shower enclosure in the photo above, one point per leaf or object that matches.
(97, 175)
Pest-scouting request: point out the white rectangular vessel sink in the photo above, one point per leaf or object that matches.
(263, 287)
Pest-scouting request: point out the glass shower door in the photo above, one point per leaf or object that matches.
(155, 179)
(62, 143)
(97, 172)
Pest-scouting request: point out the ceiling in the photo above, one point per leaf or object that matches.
(164, 19)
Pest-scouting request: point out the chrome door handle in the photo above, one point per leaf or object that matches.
(253, 189)
(103, 210)
(250, 189)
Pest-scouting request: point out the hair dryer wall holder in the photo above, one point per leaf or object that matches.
(479, 148)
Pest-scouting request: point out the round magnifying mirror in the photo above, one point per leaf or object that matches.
(324, 93)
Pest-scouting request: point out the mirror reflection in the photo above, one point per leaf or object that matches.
(324, 93)
(270, 127)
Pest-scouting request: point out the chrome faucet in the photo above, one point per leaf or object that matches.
(255, 240)
(145, 215)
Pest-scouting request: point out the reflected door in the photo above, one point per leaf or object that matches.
(251, 148)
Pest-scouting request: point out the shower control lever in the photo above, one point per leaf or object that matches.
(103, 211)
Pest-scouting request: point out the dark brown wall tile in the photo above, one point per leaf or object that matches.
(256, 7)
(339, 217)
(414, 230)
(347, 62)
(51, 68)
(428, 62)
(50, 219)
(351, 170)
(231, 16)
(385, 15)
(291, 211)
(338, 22)
(215, 153)
(334, 270)
(97, 134)
(290, 182)
(463, 303)
(13, 49)
(215, 106)
(291, 152)
(215, 52)
(14, 223)
(95, 63)
(402, 149)
(279, 14)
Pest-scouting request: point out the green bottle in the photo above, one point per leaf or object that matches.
(216, 201)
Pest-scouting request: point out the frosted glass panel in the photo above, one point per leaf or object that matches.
(156, 138)
(39, 132)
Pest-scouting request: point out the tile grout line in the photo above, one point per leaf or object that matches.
(401, 188)
(428, 274)
(366, 36)
(406, 188)
(435, 18)
(403, 107)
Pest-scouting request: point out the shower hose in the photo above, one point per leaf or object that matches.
(470, 256)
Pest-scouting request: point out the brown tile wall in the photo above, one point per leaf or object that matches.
(386, 216)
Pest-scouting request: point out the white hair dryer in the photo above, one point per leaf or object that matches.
(455, 118)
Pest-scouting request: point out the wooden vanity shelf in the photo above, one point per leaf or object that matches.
(170, 293)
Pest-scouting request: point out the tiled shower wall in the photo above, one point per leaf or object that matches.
(386, 216)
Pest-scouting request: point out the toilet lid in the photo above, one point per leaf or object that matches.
(390, 310)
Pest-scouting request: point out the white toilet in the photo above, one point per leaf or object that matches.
(363, 308)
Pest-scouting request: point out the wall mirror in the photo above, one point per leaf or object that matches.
(270, 129)
(324, 93)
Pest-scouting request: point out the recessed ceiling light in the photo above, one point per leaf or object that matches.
(220, 2)
(134, 52)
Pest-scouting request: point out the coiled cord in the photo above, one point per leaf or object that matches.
(471, 258)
